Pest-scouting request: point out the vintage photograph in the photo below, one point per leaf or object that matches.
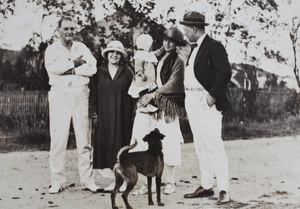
(149, 104)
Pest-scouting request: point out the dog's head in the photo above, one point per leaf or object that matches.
(154, 139)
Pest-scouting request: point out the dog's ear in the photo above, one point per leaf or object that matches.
(161, 136)
(145, 139)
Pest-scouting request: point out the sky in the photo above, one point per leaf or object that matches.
(19, 28)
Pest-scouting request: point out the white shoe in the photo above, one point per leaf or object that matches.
(110, 187)
(54, 189)
(170, 188)
(144, 190)
(92, 188)
(224, 197)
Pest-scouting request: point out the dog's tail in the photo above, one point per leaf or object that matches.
(126, 148)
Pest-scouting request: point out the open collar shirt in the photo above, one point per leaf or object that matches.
(58, 60)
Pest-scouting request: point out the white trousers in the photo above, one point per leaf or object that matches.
(66, 104)
(206, 126)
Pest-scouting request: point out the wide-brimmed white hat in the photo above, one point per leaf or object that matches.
(114, 46)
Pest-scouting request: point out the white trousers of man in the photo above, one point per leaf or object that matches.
(206, 126)
(68, 104)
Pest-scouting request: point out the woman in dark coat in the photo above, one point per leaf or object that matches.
(111, 107)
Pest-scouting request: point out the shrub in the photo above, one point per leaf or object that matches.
(31, 128)
(292, 104)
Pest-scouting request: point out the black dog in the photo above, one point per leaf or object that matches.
(149, 163)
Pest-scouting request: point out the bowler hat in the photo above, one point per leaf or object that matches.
(114, 46)
(193, 18)
(176, 35)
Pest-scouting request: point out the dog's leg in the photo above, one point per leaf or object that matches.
(149, 182)
(119, 181)
(131, 182)
(158, 184)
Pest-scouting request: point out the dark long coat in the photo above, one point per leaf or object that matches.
(114, 107)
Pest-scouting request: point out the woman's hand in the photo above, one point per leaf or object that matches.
(146, 99)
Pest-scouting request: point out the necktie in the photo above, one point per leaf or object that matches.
(193, 46)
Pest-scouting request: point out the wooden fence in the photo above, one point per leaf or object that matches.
(262, 101)
(37, 101)
(23, 101)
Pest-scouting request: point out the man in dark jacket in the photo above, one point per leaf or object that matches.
(206, 77)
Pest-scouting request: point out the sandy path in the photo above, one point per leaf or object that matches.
(264, 173)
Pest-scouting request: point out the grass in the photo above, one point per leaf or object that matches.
(14, 143)
(32, 134)
(256, 114)
(250, 128)
(24, 131)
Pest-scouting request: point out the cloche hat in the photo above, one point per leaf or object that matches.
(114, 46)
(193, 18)
(176, 35)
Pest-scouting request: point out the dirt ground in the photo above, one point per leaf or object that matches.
(264, 173)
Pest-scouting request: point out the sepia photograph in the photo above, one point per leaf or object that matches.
(150, 104)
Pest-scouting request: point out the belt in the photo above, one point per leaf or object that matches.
(194, 89)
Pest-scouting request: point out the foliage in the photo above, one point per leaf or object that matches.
(30, 127)
(235, 21)
(137, 20)
(271, 82)
(262, 113)
(27, 72)
(294, 39)
(292, 105)
(241, 22)
(7, 7)
(128, 21)
(29, 131)
(235, 128)
(256, 114)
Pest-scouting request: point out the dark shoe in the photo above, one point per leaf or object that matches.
(200, 192)
(224, 197)
(92, 187)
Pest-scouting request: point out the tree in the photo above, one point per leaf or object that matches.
(247, 23)
(8, 78)
(239, 24)
(7, 7)
(294, 38)
(124, 25)
(271, 83)
(20, 72)
(242, 21)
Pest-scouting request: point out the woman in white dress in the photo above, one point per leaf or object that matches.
(169, 98)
